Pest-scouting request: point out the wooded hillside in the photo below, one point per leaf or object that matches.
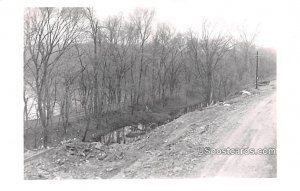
(94, 74)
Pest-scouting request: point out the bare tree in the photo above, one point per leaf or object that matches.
(177, 62)
(49, 33)
(68, 73)
(142, 19)
(246, 44)
(85, 91)
(168, 50)
(206, 53)
(95, 34)
(120, 62)
(119, 39)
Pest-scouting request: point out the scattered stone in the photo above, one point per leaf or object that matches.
(244, 92)
(90, 156)
(60, 162)
(101, 156)
(98, 146)
(110, 169)
(82, 154)
(204, 128)
(70, 147)
(140, 127)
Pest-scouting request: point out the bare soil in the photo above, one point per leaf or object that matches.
(172, 150)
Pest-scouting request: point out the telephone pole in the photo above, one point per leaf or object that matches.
(256, 79)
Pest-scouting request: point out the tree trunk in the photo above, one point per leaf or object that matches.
(43, 121)
(26, 118)
(87, 112)
(209, 90)
(86, 129)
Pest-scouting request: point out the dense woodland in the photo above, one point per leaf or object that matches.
(79, 66)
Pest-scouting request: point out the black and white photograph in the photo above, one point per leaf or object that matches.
(170, 89)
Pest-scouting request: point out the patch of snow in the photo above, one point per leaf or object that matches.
(140, 126)
(244, 92)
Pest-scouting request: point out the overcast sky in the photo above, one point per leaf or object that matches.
(272, 17)
(185, 14)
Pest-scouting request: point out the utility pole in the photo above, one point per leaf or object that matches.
(256, 79)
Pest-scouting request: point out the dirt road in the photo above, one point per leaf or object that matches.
(247, 122)
(257, 129)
